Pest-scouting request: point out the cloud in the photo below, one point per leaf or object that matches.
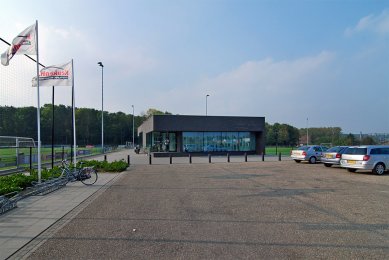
(284, 90)
(374, 23)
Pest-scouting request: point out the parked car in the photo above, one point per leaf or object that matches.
(333, 155)
(310, 153)
(368, 157)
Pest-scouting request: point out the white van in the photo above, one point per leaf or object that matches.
(367, 157)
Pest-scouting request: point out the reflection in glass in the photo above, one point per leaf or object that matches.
(218, 141)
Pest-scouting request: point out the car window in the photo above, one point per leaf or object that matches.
(385, 150)
(335, 149)
(375, 151)
(317, 149)
(342, 149)
(303, 148)
(356, 151)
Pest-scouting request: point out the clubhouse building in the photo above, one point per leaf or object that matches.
(183, 134)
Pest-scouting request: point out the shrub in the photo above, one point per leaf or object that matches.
(16, 182)
(20, 181)
(104, 166)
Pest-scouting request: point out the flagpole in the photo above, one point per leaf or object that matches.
(74, 119)
(52, 132)
(38, 105)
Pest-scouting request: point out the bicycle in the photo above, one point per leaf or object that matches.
(87, 175)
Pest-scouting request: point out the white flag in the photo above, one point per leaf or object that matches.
(24, 43)
(56, 75)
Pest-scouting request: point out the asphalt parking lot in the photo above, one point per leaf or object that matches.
(254, 210)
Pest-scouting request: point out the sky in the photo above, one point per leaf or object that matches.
(303, 63)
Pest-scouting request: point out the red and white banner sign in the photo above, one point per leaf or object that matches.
(56, 75)
(24, 43)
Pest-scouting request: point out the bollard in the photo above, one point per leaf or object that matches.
(245, 157)
(171, 158)
(128, 159)
(279, 156)
(150, 158)
(105, 157)
(263, 157)
(190, 158)
(209, 158)
(228, 157)
(30, 158)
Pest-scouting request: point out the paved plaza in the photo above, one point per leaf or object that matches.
(237, 210)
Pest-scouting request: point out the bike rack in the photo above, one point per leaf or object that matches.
(7, 202)
(47, 186)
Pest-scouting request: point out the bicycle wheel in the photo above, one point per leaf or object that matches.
(88, 176)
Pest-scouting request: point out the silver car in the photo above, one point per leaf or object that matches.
(310, 153)
(333, 155)
(368, 157)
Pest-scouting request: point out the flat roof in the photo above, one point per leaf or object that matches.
(193, 123)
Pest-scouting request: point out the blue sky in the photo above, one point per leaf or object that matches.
(286, 60)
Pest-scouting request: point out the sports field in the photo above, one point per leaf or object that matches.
(276, 150)
(12, 157)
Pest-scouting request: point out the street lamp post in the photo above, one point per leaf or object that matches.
(133, 126)
(206, 104)
(102, 104)
(307, 132)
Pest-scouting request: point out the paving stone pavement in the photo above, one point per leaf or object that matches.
(254, 210)
(35, 214)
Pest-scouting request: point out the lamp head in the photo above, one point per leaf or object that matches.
(100, 64)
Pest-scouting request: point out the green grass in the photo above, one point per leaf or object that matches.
(272, 150)
(8, 155)
(5, 152)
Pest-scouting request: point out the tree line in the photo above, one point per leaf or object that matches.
(287, 135)
(118, 127)
(21, 122)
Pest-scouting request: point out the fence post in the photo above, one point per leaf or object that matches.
(105, 157)
(263, 157)
(190, 158)
(63, 153)
(30, 158)
(128, 159)
(209, 158)
(150, 158)
(279, 156)
(228, 157)
(171, 158)
(245, 157)
(17, 153)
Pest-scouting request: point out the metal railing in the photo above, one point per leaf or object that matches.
(18, 159)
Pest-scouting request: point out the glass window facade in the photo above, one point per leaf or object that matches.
(161, 141)
(218, 141)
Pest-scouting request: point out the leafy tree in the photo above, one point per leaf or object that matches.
(152, 111)
(368, 140)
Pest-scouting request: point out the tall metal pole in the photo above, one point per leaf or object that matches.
(133, 126)
(38, 107)
(307, 133)
(206, 104)
(52, 133)
(74, 119)
(102, 105)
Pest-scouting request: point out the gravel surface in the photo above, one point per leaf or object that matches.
(254, 210)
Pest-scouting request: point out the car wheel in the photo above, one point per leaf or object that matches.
(297, 161)
(312, 160)
(379, 169)
(351, 170)
(327, 165)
